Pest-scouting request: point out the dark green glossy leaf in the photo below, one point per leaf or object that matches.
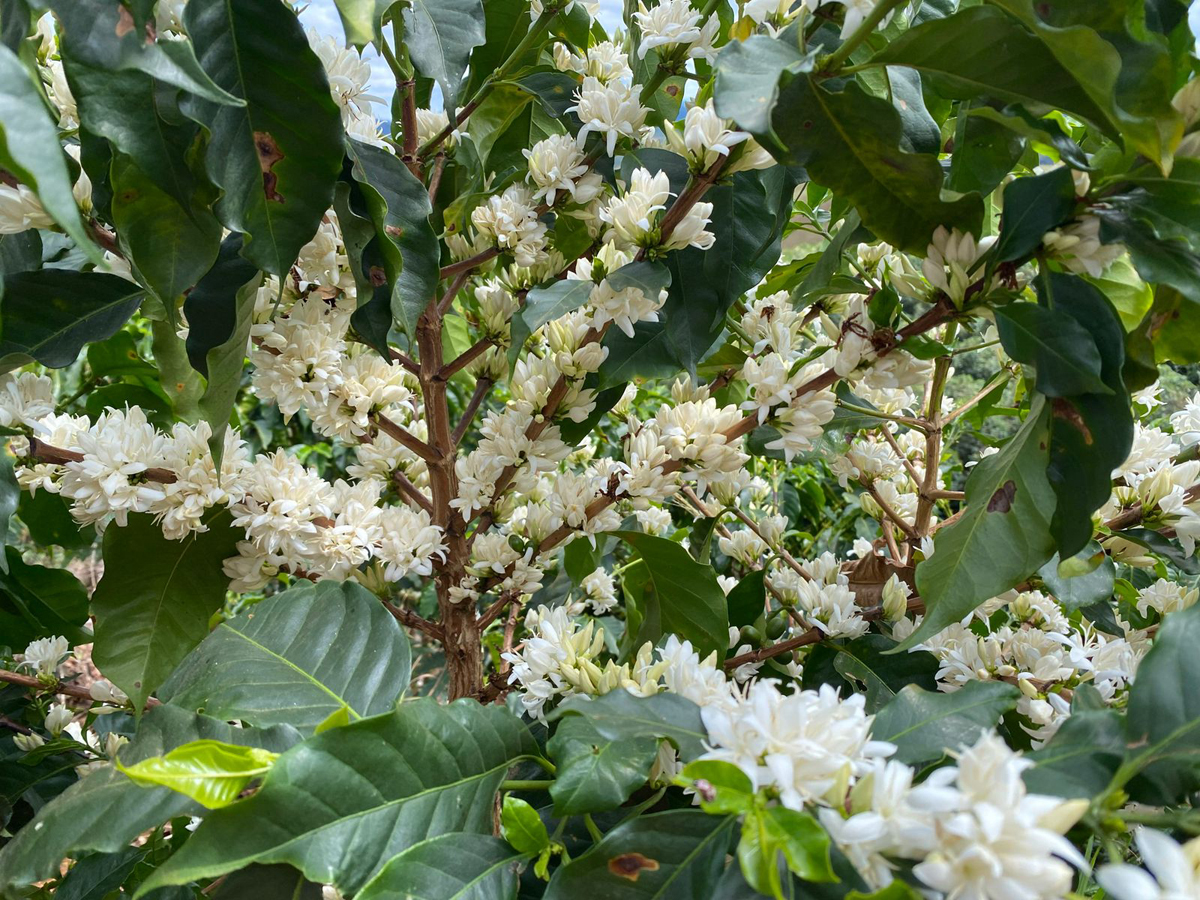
(104, 812)
(619, 715)
(49, 521)
(266, 883)
(440, 35)
(212, 306)
(1127, 79)
(865, 661)
(748, 598)
(543, 304)
(297, 658)
(38, 601)
(850, 143)
(98, 874)
(1033, 206)
(925, 724)
(103, 35)
(325, 809)
(596, 773)
(277, 157)
(1053, 342)
(1003, 536)
(1082, 757)
(676, 855)
(1163, 719)
(168, 246)
(153, 603)
(1083, 579)
(1090, 434)
(50, 314)
(683, 596)
(982, 51)
(399, 207)
(460, 866)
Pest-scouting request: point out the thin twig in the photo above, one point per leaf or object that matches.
(482, 387)
(465, 358)
(411, 491)
(404, 437)
(407, 617)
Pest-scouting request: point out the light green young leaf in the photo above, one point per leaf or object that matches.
(522, 827)
(211, 772)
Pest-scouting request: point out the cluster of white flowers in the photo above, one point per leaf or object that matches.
(1040, 650)
(973, 828)
(674, 23)
(349, 78)
(607, 102)
(776, 14)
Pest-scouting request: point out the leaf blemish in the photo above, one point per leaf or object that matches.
(268, 154)
(124, 22)
(1002, 500)
(630, 865)
(1069, 414)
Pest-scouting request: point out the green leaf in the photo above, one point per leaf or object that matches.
(153, 603)
(223, 367)
(127, 108)
(210, 772)
(683, 596)
(748, 73)
(104, 812)
(103, 35)
(212, 306)
(50, 314)
(169, 247)
(458, 866)
(1033, 206)
(1081, 580)
(1090, 434)
(865, 660)
(774, 832)
(1003, 535)
(1131, 297)
(522, 827)
(99, 874)
(266, 666)
(1063, 351)
(440, 35)
(1081, 758)
(675, 855)
(850, 143)
(1158, 259)
(748, 219)
(30, 150)
(1127, 79)
(276, 158)
(360, 19)
(596, 773)
(981, 51)
(543, 304)
(619, 715)
(925, 724)
(399, 206)
(10, 498)
(325, 809)
(265, 883)
(748, 598)
(1163, 720)
(37, 601)
(181, 383)
(49, 521)
(721, 786)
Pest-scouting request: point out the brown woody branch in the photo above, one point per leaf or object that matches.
(407, 617)
(57, 456)
(482, 387)
(404, 437)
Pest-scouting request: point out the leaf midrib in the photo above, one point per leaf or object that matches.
(341, 701)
